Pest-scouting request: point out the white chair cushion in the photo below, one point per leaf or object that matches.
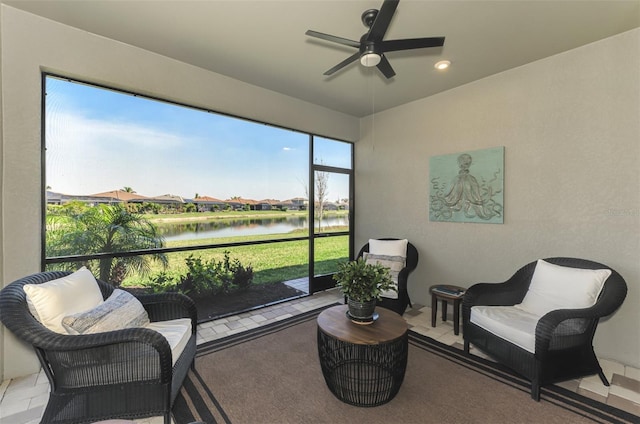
(395, 264)
(509, 323)
(388, 247)
(558, 287)
(120, 310)
(51, 301)
(176, 331)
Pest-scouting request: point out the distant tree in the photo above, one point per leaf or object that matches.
(196, 196)
(104, 229)
(321, 195)
(133, 207)
(128, 190)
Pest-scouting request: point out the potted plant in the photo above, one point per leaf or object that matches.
(363, 284)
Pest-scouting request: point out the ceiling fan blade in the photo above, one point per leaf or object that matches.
(385, 67)
(411, 43)
(383, 19)
(333, 38)
(344, 63)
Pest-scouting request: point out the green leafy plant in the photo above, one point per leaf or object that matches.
(212, 277)
(363, 282)
(76, 228)
(203, 277)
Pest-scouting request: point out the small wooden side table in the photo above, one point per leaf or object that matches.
(446, 293)
(363, 365)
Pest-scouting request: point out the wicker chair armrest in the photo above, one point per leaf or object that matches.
(51, 341)
(567, 323)
(114, 357)
(403, 277)
(168, 306)
(492, 294)
(508, 293)
(130, 342)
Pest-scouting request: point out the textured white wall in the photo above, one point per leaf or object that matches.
(31, 44)
(570, 125)
(2, 329)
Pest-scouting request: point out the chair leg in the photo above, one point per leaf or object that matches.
(535, 391)
(535, 381)
(603, 378)
(167, 417)
(466, 346)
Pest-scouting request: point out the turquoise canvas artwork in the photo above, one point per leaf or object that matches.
(467, 186)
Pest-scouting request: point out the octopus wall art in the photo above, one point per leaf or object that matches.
(467, 187)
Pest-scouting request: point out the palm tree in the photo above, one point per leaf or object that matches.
(128, 189)
(104, 229)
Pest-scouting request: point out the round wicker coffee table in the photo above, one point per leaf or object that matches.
(363, 365)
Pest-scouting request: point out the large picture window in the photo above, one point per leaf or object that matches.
(153, 195)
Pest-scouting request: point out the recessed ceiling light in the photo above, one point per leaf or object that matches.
(442, 65)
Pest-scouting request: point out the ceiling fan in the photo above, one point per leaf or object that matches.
(372, 47)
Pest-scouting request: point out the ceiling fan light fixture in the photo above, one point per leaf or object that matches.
(370, 59)
(442, 65)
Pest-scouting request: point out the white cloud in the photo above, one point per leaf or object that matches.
(72, 130)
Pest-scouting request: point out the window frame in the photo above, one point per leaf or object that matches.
(311, 166)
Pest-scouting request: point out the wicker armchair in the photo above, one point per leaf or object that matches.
(117, 374)
(563, 337)
(399, 305)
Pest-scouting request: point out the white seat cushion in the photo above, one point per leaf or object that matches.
(509, 323)
(51, 301)
(558, 287)
(176, 331)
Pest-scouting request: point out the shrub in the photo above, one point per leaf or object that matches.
(205, 278)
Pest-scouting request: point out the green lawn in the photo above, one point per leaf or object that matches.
(273, 262)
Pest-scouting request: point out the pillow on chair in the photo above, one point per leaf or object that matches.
(558, 287)
(393, 263)
(120, 310)
(388, 247)
(51, 301)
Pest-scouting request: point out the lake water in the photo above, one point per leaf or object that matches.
(240, 227)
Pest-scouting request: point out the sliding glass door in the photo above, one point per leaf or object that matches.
(332, 191)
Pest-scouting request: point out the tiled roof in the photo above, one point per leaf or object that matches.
(120, 195)
(242, 200)
(168, 198)
(207, 199)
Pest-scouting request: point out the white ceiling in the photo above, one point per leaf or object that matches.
(263, 42)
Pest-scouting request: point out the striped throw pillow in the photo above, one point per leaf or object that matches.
(120, 310)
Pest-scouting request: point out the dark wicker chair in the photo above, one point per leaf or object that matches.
(117, 374)
(563, 338)
(399, 305)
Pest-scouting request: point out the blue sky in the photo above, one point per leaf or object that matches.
(99, 140)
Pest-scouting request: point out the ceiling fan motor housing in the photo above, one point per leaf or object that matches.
(369, 16)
